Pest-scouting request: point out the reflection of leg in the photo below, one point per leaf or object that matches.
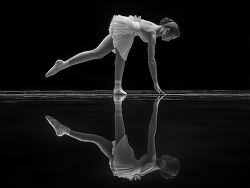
(104, 145)
(119, 68)
(59, 128)
(119, 124)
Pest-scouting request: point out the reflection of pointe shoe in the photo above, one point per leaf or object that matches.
(119, 91)
(59, 128)
(59, 65)
(119, 98)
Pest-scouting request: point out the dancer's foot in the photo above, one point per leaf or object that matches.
(59, 128)
(119, 98)
(59, 65)
(119, 91)
(158, 89)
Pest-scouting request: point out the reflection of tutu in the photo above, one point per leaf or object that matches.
(124, 162)
(123, 33)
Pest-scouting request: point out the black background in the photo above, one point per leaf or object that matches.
(211, 52)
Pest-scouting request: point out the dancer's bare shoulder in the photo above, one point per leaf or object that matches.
(147, 28)
(147, 25)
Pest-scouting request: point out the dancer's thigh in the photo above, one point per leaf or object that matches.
(118, 58)
(104, 47)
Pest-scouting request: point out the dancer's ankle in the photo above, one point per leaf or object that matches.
(67, 131)
(119, 91)
(118, 84)
(66, 64)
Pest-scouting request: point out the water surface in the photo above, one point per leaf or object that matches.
(207, 131)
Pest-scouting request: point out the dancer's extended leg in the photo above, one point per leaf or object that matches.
(59, 128)
(119, 68)
(100, 51)
(104, 145)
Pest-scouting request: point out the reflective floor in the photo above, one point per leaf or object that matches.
(204, 134)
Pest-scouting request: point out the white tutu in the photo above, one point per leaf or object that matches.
(124, 162)
(123, 30)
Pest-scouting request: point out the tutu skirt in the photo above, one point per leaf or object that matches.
(124, 162)
(123, 33)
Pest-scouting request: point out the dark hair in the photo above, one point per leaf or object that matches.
(166, 20)
(172, 25)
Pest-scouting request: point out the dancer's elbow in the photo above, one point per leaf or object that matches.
(152, 61)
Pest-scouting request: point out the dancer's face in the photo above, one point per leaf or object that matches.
(166, 35)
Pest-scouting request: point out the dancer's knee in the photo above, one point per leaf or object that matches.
(118, 59)
(119, 62)
(98, 54)
(95, 54)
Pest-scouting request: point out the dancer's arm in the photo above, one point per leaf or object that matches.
(151, 133)
(151, 153)
(152, 63)
(151, 57)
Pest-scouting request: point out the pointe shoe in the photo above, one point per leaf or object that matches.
(59, 128)
(119, 92)
(119, 98)
(59, 65)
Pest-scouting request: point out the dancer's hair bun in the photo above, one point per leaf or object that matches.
(166, 20)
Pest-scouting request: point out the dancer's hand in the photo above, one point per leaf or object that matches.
(158, 89)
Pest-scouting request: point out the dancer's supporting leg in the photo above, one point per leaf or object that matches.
(100, 51)
(119, 124)
(119, 68)
(104, 145)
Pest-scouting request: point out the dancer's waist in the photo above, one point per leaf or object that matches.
(137, 27)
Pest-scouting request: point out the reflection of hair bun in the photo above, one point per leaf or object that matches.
(166, 21)
(170, 166)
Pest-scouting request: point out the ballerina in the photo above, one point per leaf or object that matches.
(122, 31)
(122, 161)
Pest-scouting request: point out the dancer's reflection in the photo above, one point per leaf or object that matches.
(121, 156)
